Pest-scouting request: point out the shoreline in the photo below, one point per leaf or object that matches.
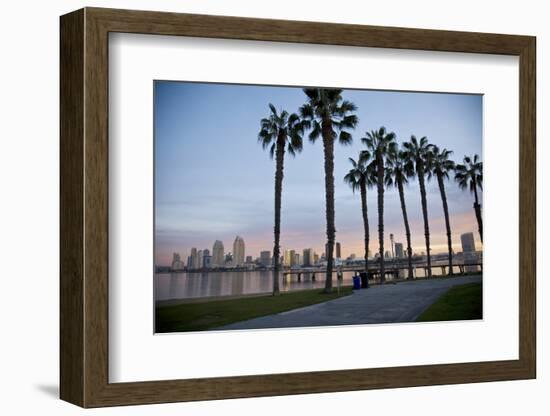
(182, 301)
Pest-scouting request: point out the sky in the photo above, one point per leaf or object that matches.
(213, 180)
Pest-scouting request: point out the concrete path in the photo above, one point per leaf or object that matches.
(402, 302)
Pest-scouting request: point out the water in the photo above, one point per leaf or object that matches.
(210, 284)
(198, 285)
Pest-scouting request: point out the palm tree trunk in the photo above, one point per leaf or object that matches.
(477, 209)
(365, 223)
(328, 146)
(447, 222)
(425, 215)
(380, 167)
(407, 228)
(279, 161)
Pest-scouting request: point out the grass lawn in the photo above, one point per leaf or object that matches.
(459, 303)
(208, 314)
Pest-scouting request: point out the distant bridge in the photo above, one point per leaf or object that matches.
(389, 269)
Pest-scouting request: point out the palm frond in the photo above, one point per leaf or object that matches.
(315, 132)
(469, 174)
(285, 129)
(348, 122)
(345, 138)
(307, 112)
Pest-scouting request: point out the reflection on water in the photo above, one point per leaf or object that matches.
(198, 285)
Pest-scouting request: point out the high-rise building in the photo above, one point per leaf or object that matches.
(249, 260)
(265, 258)
(468, 244)
(217, 254)
(469, 251)
(175, 260)
(238, 251)
(296, 261)
(315, 258)
(289, 258)
(387, 254)
(399, 250)
(192, 260)
(199, 259)
(206, 259)
(177, 264)
(336, 252)
(308, 259)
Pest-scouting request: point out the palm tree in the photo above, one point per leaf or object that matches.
(398, 170)
(360, 178)
(280, 132)
(329, 116)
(470, 175)
(379, 143)
(439, 166)
(418, 152)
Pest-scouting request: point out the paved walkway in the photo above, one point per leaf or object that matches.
(402, 302)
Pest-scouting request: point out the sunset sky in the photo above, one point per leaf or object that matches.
(214, 181)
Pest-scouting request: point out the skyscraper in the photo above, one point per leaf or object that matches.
(399, 250)
(206, 259)
(238, 251)
(192, 261)
(176, 257)
(289, 258)
(469, 251)
(199, 259)
(337, 251)
(217, 254)
(468, 244)
(265, 258)
(296, 261)
(308, 257)
(177, 264)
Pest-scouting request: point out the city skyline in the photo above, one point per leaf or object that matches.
(193, 259)
(204, 192)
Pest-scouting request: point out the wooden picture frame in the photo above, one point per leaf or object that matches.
(84, 207)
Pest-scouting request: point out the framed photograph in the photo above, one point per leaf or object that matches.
(255, 207)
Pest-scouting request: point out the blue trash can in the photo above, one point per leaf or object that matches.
(356, 282)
